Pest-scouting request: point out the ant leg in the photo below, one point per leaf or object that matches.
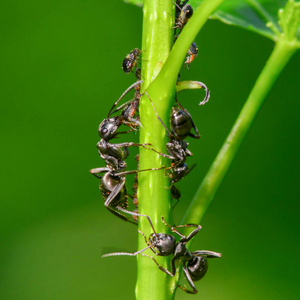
(114, 193)
(175, 194)
(139, 252)
(124, 132)
(126, 91)
(184, 3)
(99, 170)
(197, 135)
(160, 153)
(172, 227)
(119, 215)
(177, 5)
(137, 215)
(136, 171)
(125, 253)
(173, 268)
(115, 209)
(138, 74)
(190, 281)
(122, 106)
(159, 266)
(184, 238)
(208, 254)
(176, 164)
(130, 144)
(111, 197)
(132, 123)
(158, 117)
(147, 242)
(144, 235)
(193, 233)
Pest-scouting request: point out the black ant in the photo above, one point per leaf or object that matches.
(112, 183)
(194, 264)
(128, 109)
(114, 155)
(183, 14)
(130, 60)
(181, 125)
(114, 191)
(192, 52)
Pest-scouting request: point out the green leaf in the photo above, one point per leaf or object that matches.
(135, 2)
(260, 16)
(289, 20)
(253, 15)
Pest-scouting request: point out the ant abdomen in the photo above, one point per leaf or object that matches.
(197, 267)
(181, 123)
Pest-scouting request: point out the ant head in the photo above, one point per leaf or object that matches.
(136, 51)
(108, 127)
(121, 165)
(193, 49)
(163, 243)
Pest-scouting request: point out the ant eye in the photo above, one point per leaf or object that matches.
(104, 130)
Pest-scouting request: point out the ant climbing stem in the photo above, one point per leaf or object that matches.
(194, 264)
(183, 14)
(130, 61)
(114, 191)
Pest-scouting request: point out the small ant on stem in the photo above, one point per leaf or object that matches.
(194, 264)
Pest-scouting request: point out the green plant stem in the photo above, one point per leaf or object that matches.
(278, 59)
(154, 198)
(159, 73)
(166, 79)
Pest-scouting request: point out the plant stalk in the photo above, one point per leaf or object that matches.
(159, 72)
(154, 198)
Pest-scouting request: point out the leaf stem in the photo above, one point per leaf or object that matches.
(277, 61)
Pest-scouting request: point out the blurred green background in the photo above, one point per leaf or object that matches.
(60, 73)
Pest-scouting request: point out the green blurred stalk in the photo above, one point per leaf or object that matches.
(277, 61)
